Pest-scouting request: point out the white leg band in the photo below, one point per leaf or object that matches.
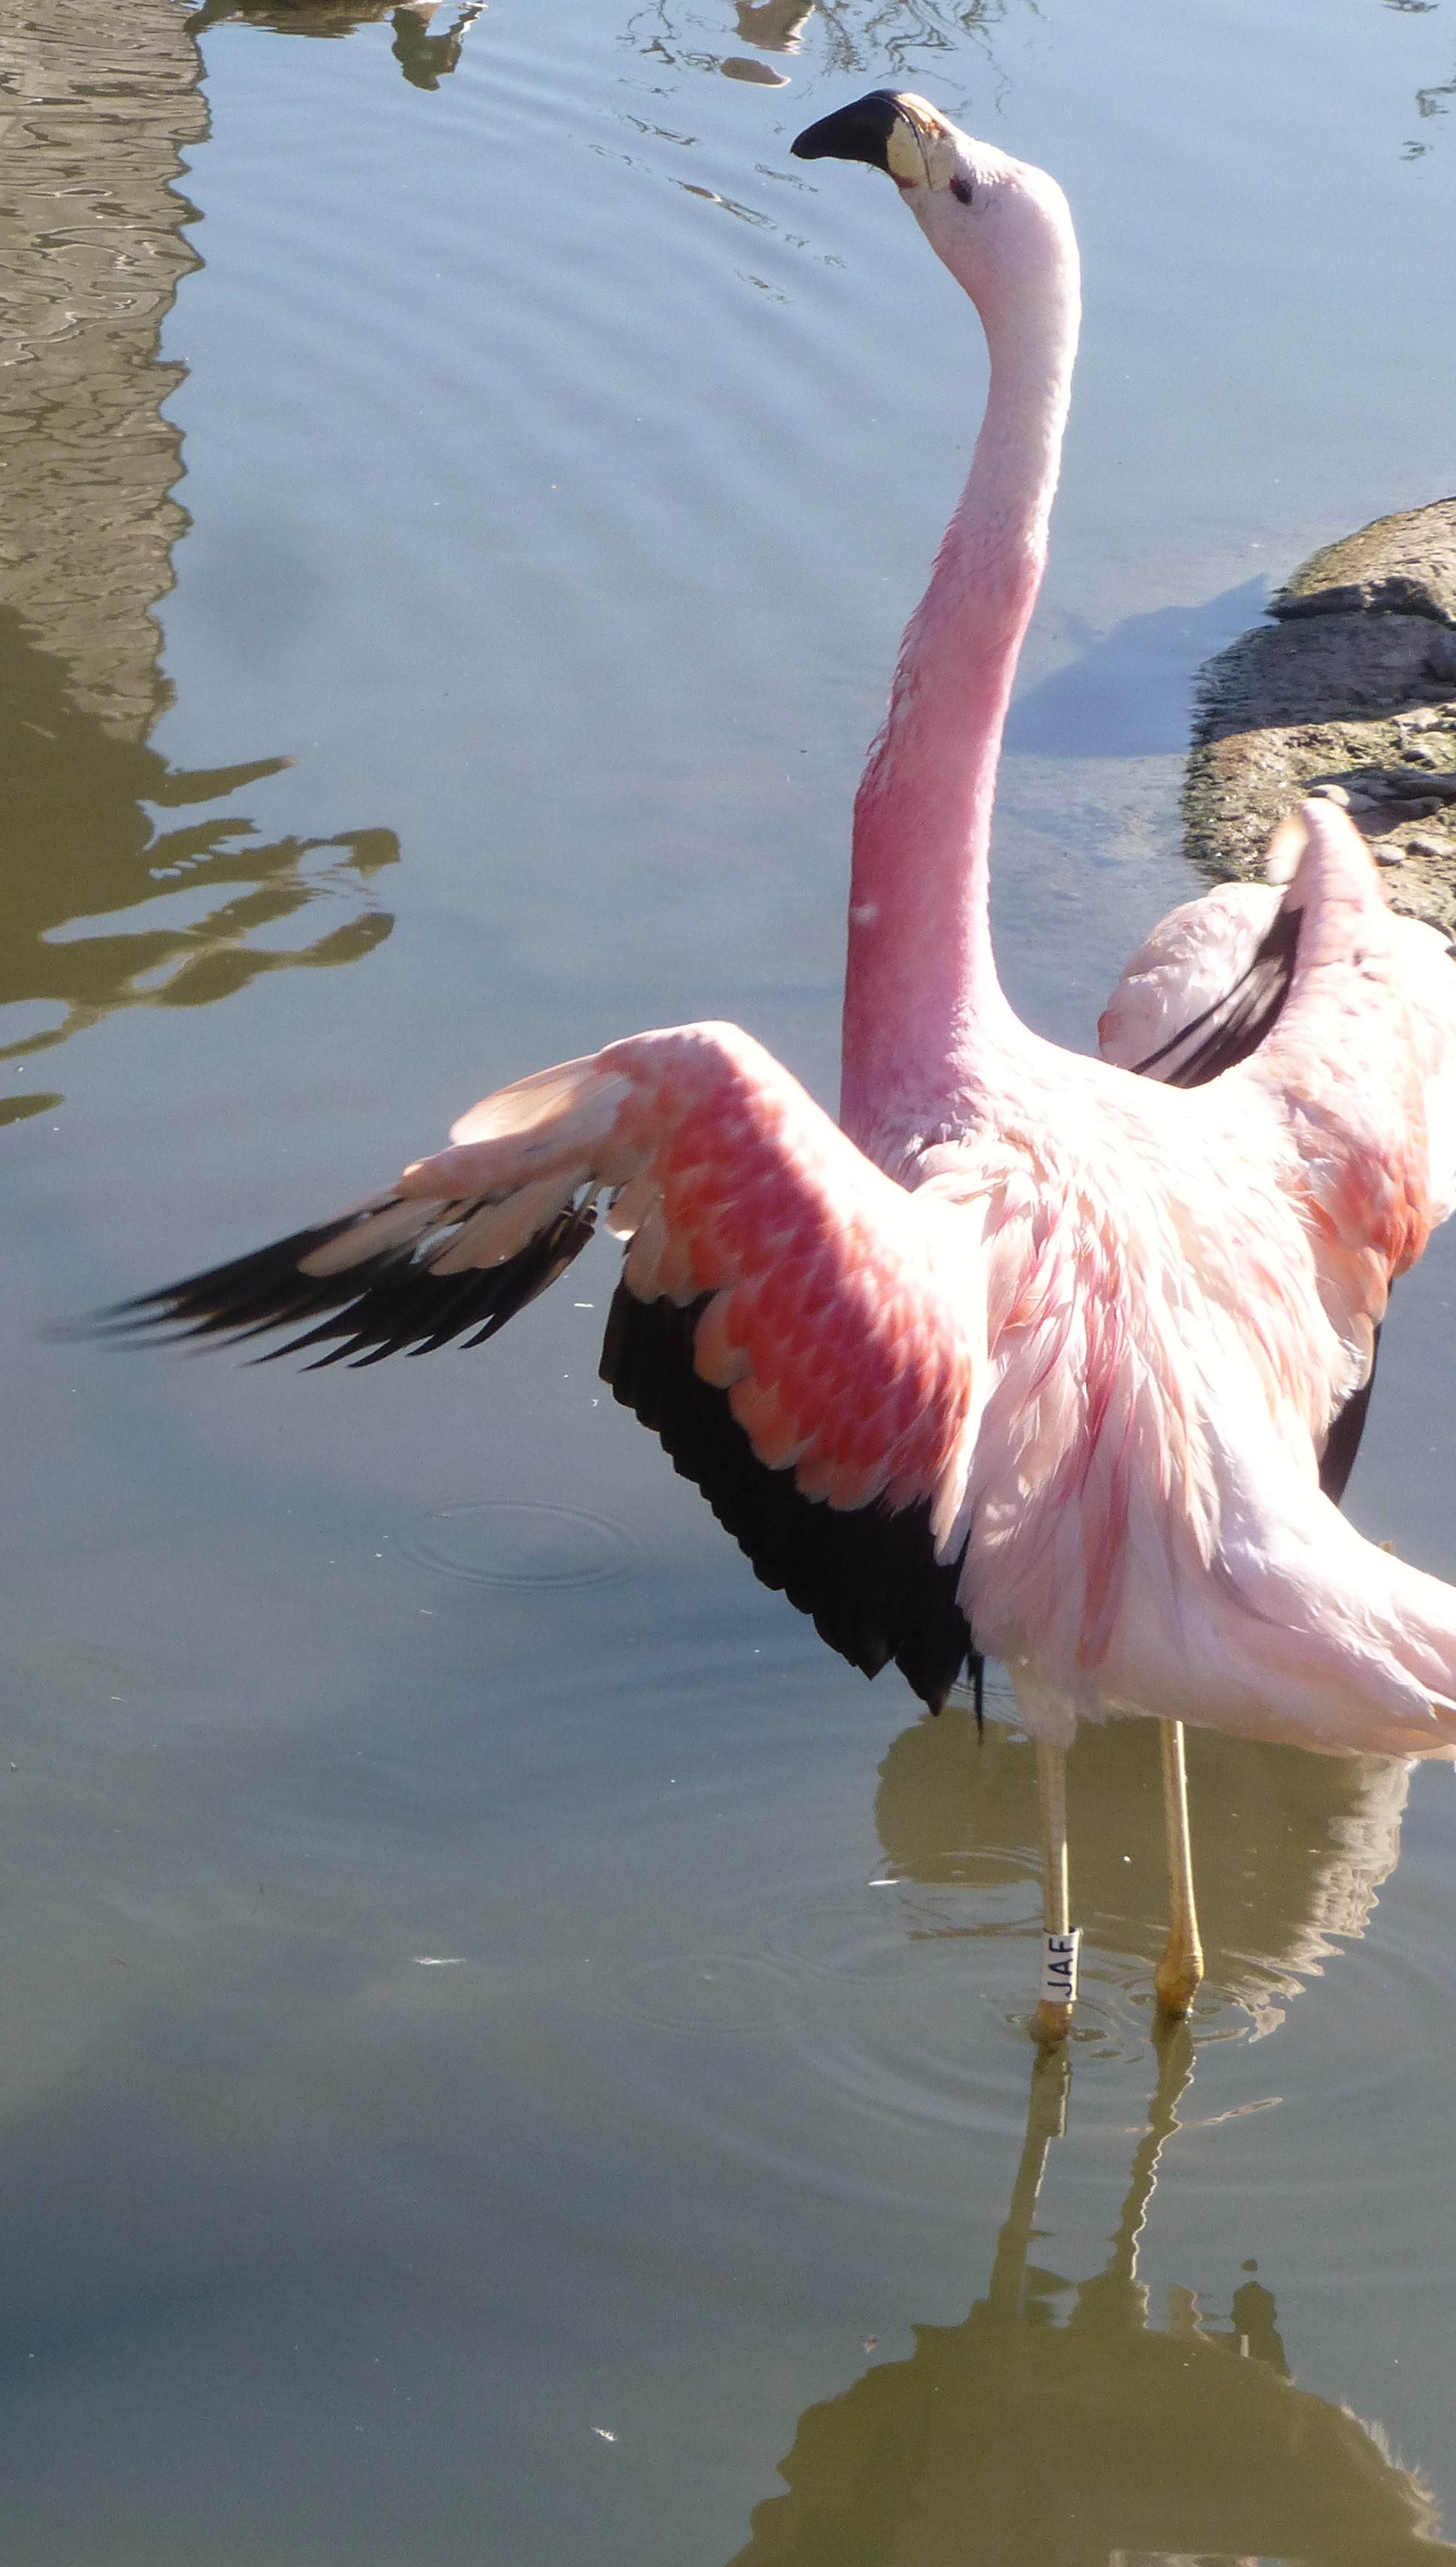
(1059, 1967)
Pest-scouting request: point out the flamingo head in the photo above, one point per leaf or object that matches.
(960, 191)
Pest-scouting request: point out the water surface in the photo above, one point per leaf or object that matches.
(509, 2052)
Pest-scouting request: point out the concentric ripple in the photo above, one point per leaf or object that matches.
(513, 1541)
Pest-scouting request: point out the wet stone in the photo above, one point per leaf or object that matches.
(1406, 564)
(1349, 689)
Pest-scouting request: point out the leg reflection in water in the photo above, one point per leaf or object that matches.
(1025, 2438)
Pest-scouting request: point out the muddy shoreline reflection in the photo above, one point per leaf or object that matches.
(102, 903)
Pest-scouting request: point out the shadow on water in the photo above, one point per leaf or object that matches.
(425, 56)
(1129, 692)
(1288, 1848)
(1057, 2422)
(101, 906)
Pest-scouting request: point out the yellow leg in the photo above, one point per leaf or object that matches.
(1053, 2017)
(1180, 1970)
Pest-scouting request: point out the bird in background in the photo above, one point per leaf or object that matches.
(1026, 1356)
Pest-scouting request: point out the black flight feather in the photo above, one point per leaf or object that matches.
(868, 1578)
(389, 1303)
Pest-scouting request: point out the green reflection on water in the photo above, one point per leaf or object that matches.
(81, 864)
(1087, 2436)
(101, 905)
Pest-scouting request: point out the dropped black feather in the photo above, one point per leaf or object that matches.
(393, 1304)
(869, 1579)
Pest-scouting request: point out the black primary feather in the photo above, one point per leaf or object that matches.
(869, 1579)
(389, 1303)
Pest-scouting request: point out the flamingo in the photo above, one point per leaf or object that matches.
(1027, 1355)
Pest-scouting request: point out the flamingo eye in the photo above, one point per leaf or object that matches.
(963, 188)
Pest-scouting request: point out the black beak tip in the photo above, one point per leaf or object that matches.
(860, 132)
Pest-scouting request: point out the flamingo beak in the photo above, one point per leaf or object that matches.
(858, 132)
(893, 131)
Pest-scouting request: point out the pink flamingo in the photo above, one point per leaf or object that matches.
(1030, 1356)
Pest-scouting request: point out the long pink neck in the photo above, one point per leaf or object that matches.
(922, 1007)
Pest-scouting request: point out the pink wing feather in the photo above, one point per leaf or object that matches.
(837, 1319)
(831, 1320)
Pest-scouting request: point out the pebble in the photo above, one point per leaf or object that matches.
(1389, 855)
(1330, 793)
(1423, 842)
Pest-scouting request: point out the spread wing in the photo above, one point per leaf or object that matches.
(1347, 1015)
(1206, 988)
(805, 1337)
(1362, 1059)
(1362, 1065)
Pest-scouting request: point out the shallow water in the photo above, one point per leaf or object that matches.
(552, 2084)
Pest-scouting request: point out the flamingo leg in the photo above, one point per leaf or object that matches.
(1180, 1970)
(1052, 2019)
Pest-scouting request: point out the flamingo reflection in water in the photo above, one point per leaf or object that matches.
(1028, 1355)
(1092, 2435)
(1061, 2419)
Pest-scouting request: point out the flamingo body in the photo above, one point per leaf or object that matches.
(1027, 1355)
(1043, 1361)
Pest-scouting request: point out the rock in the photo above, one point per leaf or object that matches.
(1350, 690)
(1404, 566)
